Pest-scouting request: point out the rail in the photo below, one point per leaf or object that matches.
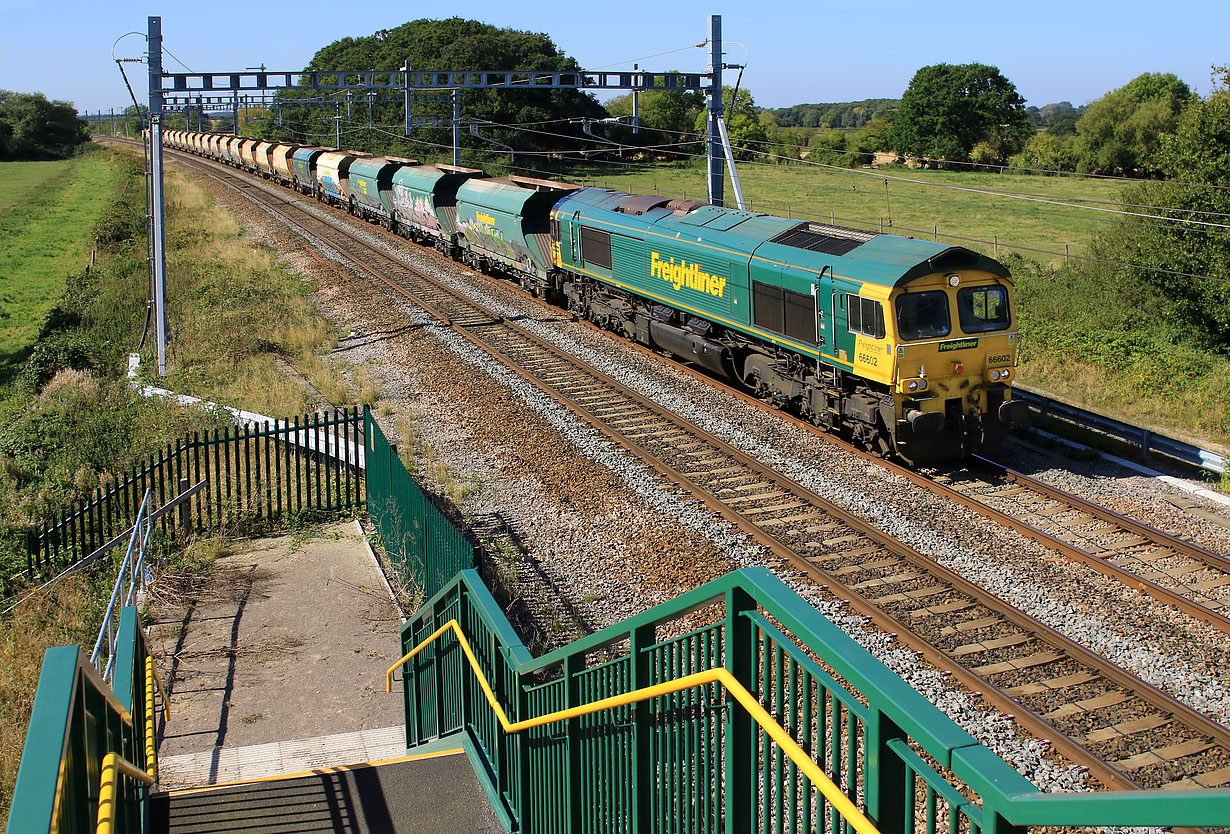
(87, 764)
(113, 767)
(137, 574)
(628, 730)
(1147, 439)
(848, 810)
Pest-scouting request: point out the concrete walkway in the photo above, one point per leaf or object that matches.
(287, 638)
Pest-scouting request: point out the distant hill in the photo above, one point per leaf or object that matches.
(834, 114)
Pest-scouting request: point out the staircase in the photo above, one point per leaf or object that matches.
(434, 793)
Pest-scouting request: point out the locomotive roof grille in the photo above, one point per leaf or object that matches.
(818, 237)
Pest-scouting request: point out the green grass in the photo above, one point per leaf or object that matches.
(68, 419)
(860, 198)
(47, 215)
(1097, 342)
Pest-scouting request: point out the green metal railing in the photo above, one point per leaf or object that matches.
(695, 760)
(424, 546)
(77, 721)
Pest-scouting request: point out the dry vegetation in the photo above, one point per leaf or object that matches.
(244, 333)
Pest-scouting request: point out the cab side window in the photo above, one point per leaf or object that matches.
(865, 316)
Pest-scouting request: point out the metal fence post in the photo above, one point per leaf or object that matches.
(185, 523)
(30, 545)
(885, 773)
(573, 666)
(643, 764)
(741, 656)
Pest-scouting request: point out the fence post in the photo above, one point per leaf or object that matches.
(185, 524)
(886, 774)
(741, 661)
(643, 764)
(573, 666)
(30, 537)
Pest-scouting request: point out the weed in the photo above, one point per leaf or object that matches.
(253, 718)
(366, 387)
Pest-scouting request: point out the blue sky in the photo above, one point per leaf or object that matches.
(796, 51)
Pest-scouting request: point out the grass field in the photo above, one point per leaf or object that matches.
(47, 214)
(908, 202)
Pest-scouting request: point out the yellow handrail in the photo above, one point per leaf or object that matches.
(150, 669)
(151, 723)
(848, 810)
(113, 766)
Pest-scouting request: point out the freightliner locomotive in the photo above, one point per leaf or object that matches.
(906, 347)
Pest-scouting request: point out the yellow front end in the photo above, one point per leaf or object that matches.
(954, 346)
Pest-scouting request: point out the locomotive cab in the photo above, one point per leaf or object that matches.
(954, 354)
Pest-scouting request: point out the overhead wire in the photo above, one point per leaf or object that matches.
(879, 175)
(1079, 204)
(997, 243)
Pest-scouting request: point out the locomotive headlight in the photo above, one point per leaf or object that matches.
(913, 386)
(922, 385)
(954, 280)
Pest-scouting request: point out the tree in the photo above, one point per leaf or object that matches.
(671, 111)
(1063, 124)
(834, 114)
(1048, 152)
(1121, 132)
(747, 133)
(1198, 152)
(948, 109)
(453, 44)
(31, 127)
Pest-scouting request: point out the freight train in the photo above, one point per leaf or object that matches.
(906, 347)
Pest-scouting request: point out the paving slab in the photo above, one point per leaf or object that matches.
(287, 638)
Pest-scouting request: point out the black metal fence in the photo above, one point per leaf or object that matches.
(252, 473)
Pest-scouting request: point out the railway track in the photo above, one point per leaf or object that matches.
(1125, 731)
(1168, 568)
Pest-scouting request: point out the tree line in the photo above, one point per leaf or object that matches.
(31, 127)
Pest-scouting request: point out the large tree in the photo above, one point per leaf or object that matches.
(1195, 199)
(442, 45)
(1121, 132)
(31, 127)
(948, 109)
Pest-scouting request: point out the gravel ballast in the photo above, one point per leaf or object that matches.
(598, 537)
